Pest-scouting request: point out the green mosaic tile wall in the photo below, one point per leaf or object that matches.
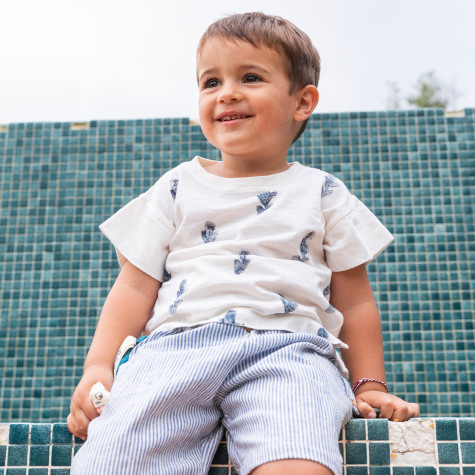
(59, 181)
(366, 448)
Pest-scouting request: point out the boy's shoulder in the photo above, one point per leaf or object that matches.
(175, 172)
(314, 170)
(324, 176)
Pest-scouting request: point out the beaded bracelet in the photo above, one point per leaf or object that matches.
(368, 380)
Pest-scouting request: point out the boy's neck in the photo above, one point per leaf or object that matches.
(231, 167)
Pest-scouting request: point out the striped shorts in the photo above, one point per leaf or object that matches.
(277, 394)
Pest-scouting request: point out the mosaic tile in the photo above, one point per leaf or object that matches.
(3, 455)
(378, 429)
(426, 471)
(61, 455)
(468, 452)
(467, 429)
(380, 470)
(19, 433)
(356, 430)
(403, 470)
(221, 455)
(356, 453)
(219, 471)
(446, 429)
(356, 470)
(449, 471)
(61, 434)
(40, 433)
(379, 453)
(448, 453)
(414, 169)
(39, 455)
(17, 455)
(78, 441)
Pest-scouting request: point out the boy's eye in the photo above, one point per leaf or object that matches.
(210, 83)
(252, 78)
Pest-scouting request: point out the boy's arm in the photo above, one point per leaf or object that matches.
(126, 311)
(351, 294)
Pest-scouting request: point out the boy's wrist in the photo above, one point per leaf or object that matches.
(369, 384)
(99, 366)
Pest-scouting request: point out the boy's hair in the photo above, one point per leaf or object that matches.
(302, 61)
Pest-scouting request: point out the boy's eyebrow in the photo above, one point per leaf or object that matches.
(209, 71)
(255, 66)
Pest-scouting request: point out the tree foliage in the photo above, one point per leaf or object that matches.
(429, 92)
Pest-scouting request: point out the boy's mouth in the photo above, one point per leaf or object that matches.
(226, 117)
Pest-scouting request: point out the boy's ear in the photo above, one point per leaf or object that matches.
(307, 100)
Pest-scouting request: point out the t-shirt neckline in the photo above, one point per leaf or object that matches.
(251, 181)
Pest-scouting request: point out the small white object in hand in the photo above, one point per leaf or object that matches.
(99, 395)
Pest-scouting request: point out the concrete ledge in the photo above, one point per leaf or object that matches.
(426, 446)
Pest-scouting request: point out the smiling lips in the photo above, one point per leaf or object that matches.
(231, 116)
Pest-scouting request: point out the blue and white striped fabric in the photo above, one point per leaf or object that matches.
(277, 394)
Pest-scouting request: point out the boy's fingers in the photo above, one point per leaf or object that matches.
(400, 413)
(403, 411)
(85, 412)
(90, 410)
(391, 407)
(414, 410)
(80, 418)
(71, 426)
(391, 411)
(365, 409)
(78, 425)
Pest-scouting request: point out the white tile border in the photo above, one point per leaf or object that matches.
(4, 434)
(413, 443)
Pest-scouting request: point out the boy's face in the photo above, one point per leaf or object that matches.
(245, 107)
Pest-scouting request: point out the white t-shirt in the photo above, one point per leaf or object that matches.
(255, 251)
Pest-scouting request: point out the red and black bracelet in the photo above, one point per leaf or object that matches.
(368, 380)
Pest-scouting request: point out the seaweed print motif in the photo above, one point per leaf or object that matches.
(265, 199)
(209, 233)
(174, 188)
(289, 306)
(178, 301)
(326, 293)
(330, 182)
(230, 317)
(241, 263)
(322, 332)
(304, 248)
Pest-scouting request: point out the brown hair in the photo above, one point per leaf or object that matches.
(302, 60)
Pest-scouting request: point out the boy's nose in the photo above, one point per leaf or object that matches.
(229, 93)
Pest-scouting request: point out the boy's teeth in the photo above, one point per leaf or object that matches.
(233, 117)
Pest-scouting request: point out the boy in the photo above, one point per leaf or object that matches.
(244, 254)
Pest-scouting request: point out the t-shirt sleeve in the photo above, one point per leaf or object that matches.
(141, 231)
(353, 234)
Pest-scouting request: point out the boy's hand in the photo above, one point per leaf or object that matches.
(82, 408)
(392, 407)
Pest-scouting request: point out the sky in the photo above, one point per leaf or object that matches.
(63, 60)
